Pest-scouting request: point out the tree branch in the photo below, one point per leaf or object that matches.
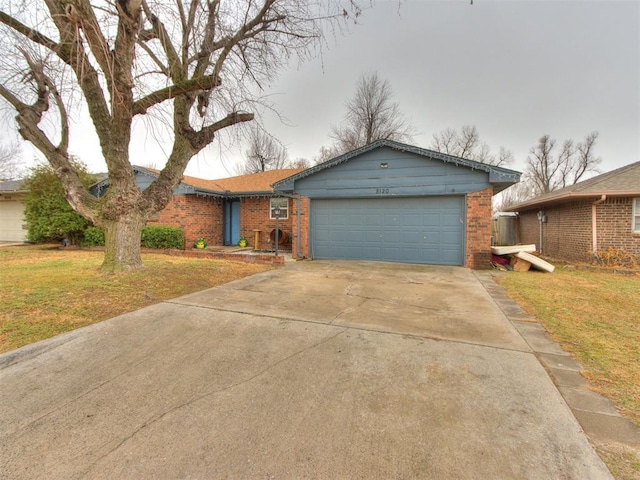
(71, 52)
(174, 64)
(30, 33)
(200, 139)
(188, 86)
(81, 15)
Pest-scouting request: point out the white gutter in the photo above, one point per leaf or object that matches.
(594, 223)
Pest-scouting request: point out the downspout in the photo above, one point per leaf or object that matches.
(298, 244)
(594, 223)
(540, 222)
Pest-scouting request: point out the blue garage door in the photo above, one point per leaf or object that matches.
(412, 230)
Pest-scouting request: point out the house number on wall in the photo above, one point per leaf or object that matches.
(382, 191)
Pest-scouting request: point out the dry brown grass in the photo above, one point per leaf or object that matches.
(596, 317)
(45, 291)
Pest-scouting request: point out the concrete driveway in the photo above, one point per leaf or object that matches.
(315, 370)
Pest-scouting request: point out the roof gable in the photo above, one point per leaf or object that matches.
(623, 181)
(498, 176)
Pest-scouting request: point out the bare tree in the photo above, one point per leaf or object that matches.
(467, 144)
(10, 161)
(547, 171)
(300, 163)
(371, 115)
(264, 153)
(513, 195)
(325, 153)
(191, 63)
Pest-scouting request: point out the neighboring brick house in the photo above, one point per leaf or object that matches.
(591, 216)
(386, 201)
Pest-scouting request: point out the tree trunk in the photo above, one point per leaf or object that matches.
(122, 242)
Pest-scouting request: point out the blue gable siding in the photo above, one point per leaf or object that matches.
(406, 174)
(143, 180)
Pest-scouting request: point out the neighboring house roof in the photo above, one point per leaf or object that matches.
(498, 176)
(622, 182)
(13, 186)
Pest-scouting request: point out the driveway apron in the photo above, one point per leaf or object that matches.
(315, 370)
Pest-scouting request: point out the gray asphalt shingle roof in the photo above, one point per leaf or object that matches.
(11, 186)
(624, 181)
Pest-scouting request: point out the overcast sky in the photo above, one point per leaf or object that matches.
(515, 69)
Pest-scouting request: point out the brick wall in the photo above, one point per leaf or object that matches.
(615, 226)
(254, 215)
(198, 217)
(478, 247)
(567, 234)
(304, 226)
(527, 228)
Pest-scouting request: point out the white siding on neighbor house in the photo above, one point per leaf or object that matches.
(12, 224)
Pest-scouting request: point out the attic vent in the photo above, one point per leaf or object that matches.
(384, 165)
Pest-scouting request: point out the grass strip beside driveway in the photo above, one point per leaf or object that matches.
(595, 316)
(46, 291)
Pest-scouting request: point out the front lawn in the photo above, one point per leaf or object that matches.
(45, 291)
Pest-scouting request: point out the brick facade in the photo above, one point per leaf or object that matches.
(615, 226)
(478, 245)
(197, 216)
(254, 215)
(304, 226)
(568, 234)
(202, 217)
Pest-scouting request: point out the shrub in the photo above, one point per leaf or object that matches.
(152, 237)
(49, 216)
(614, 257)
(93, 237)
(162, 237)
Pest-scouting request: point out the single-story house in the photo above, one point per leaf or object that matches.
(591, 216)
(386, 201)
(12, 224)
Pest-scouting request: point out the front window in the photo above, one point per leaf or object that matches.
(636, 215)
(283, 205)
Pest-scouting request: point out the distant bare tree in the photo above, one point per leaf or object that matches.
(10, 162)
(547, 171)
(325, 153)
(264, 153)
(467, 144)
(513, 195)
(371, 115)
(300, 163)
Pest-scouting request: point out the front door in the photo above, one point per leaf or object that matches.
(231, 222)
